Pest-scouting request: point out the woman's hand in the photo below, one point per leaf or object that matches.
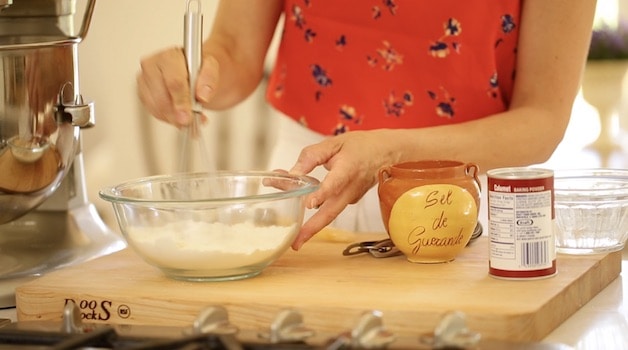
(240, 47)
(352, 160)
(163, 85)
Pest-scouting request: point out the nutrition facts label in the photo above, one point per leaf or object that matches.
(521, 230)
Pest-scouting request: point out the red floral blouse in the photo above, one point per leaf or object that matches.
(366, 64)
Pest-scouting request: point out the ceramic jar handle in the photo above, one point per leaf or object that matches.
(383, 174)
(473, 170)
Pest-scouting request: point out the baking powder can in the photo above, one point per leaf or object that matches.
(521, 223)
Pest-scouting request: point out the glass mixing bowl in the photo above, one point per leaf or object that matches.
(591, 210)
(211, 226)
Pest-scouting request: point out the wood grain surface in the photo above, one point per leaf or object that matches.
(330, 290)
(24, 177)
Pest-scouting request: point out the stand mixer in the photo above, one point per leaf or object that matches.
(46, 220)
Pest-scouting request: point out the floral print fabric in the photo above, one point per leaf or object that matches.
(366, 64)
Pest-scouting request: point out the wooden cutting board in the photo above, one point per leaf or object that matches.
(330, 290)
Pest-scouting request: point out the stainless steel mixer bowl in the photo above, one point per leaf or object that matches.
(41, 109)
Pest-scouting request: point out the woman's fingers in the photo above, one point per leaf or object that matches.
(163, 87)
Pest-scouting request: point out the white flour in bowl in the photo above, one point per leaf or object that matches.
(194, 245)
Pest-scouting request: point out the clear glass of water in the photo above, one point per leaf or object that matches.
(591, 207)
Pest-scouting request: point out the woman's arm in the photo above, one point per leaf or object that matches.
(553, 45)
(239, 40)
(552, 50)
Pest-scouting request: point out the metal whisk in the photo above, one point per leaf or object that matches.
(193, 33)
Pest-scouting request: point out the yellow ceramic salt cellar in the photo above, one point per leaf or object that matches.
(430, 208)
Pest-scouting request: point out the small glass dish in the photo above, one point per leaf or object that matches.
(591, 210)
(27, 150)
(211, 226)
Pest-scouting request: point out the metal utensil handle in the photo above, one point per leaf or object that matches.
(380, 249)
(193, 33)
(192, 46)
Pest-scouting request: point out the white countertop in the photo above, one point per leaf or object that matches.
(601, 324)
